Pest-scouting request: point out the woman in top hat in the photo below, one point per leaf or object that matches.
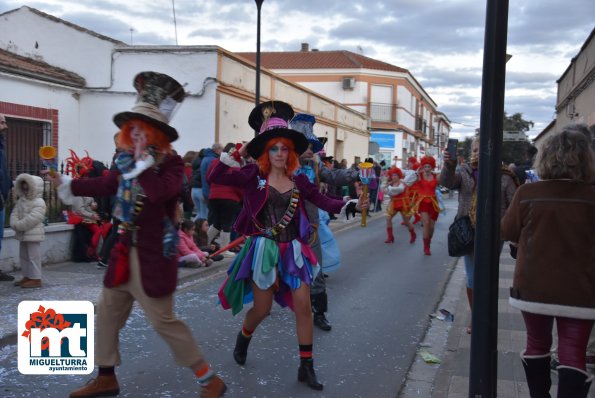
(276, 262)
(143, 264)
(424, 199)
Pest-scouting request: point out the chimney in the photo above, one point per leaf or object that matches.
(305, 47)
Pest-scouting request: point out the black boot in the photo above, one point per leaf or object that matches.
(573, 382)
(240, 352)
(321, 322)
(537, 371)
(306, 373)
(319, 307)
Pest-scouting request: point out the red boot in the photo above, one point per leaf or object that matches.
(427, 247)
(416, 218)
(391, 238)
(413, 235)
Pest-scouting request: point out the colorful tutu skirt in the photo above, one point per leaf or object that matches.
(285, 265)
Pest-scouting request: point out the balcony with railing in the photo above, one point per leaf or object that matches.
(382, 112)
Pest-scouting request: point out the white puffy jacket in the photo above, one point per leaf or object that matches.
(28, 213)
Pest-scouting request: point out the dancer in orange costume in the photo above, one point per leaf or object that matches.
(424, 199)
(399, 203)
(410, 177)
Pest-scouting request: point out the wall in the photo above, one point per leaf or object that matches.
(54, 249)
(57, 44)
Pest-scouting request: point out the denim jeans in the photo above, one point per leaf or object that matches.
(200, 204)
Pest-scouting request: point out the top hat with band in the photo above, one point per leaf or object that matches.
(304, 123)
(271, 120)
(158, 97)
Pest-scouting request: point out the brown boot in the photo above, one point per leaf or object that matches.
(215, 389)
(31, 283)
(21, 281)
(102, 386)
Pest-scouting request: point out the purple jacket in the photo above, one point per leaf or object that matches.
(256, 189)
(162, 187)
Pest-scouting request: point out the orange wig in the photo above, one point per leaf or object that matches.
(293, 161)
(155, 137)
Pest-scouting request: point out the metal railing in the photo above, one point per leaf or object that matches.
(382, 112)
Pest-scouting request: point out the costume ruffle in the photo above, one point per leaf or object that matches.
(262, 259)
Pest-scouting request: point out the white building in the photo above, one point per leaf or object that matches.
(404, 118)
(63, 83)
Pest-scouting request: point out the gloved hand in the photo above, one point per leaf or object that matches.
(226, 159)
(139, 166)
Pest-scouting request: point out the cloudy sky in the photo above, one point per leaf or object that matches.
(439, 41)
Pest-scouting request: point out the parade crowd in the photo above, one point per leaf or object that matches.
(266, 205)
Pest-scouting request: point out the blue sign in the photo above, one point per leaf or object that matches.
(383, 140)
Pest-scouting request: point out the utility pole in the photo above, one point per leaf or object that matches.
(257, 91)
(173, 5)
(483, 373)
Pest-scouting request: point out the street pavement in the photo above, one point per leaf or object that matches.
(447, 341)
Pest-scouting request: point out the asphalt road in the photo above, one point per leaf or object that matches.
(379, 302)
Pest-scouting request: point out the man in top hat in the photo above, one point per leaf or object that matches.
(143, 264)
(318, 173)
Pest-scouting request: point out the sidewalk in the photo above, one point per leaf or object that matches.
(82, 281)
(451, 344)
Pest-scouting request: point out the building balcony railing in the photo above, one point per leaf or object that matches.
(382, 112)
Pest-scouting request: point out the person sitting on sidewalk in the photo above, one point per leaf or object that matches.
(190, 256)
(201, 239)
(26, 219)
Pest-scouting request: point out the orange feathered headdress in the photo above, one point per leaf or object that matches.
(395, 170)
(427, 160)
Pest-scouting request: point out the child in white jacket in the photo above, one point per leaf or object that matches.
(26, 220)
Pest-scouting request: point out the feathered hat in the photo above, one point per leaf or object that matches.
(271, 120)
(395, 170)
(158, 97)
(427, 160)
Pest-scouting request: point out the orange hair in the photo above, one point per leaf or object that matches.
(293, 160)
(155, 137)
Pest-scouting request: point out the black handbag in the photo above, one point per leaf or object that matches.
(461, 236)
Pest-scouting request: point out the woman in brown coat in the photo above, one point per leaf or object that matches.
(553, 221)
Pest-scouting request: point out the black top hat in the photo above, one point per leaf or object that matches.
(270, 119)
(158, 96)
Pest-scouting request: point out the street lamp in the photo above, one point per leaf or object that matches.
(257, 94)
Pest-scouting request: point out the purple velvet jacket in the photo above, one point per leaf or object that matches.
(162, 187)
(256, 189)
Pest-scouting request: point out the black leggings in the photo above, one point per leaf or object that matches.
(223, 213)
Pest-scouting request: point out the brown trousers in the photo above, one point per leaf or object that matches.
(114, 309)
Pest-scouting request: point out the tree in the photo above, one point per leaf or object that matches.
(514, 151)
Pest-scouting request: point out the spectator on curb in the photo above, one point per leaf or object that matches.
(200, 202)
(189, 255)
(5, 186)
(552, 222)
(210, 154)
(26, 219)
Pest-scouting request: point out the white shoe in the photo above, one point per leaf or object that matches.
(228, 254)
